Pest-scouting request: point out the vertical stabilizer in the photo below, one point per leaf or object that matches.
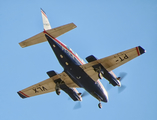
(55, 32)
(46, 23)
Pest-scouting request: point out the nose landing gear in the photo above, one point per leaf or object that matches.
(100, 105)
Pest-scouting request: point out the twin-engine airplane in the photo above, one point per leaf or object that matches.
(76, 74)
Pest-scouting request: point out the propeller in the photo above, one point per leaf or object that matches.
(78, 103)
(108, 87)
(120, 78)
(84, 94)
(122, 87)
(122, 75)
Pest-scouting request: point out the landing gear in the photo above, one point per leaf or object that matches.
(58, 92)
(99, 71)
(100, 105)
(100, 75)
(57, 89)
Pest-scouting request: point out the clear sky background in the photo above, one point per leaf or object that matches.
(104, 27)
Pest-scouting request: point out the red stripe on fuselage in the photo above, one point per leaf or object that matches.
(23, 94)
(138, 52)
(64, 46)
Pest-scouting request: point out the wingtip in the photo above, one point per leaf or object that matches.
(22, 45)
(21, 95)
(142, 50)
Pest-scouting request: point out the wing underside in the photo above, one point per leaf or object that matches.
(46, 86)
(113, 61)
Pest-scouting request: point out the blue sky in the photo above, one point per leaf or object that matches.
(103, 28)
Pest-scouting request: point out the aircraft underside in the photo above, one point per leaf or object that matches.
(76, 74)
(71, 67)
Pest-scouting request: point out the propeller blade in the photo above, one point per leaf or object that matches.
(84, 94)
(77, 105)
(122, 75)
(121, 88)
(108, 87)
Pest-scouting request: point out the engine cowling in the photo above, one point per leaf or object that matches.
(72, 92)
(91, 58)
(52, 73)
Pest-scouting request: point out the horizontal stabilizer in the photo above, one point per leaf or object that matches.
(33, 40)
(55, 32)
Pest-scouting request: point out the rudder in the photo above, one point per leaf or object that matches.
(46, 23)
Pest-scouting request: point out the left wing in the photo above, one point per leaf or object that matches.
(46, 86)
(113, 61)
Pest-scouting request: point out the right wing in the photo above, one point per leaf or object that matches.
(113, 61)
(46, 86)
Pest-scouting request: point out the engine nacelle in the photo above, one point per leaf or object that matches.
(91, 58)
(58, 81)
(109, 77)
(102, 71)
(72, 92)
(52, 73)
